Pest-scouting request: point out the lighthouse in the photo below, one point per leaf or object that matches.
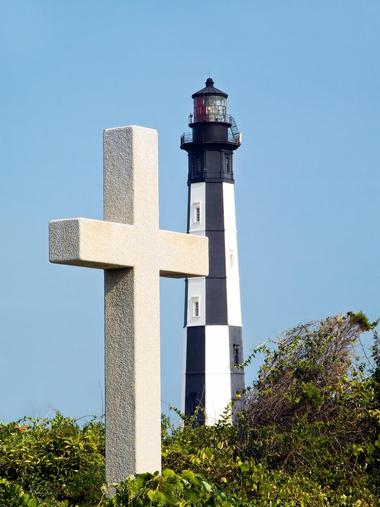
(213, 324)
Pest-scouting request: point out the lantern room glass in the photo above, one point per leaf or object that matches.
(210, 108)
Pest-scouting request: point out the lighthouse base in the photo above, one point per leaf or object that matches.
(213, 379)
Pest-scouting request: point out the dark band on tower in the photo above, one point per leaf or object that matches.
(213, 337)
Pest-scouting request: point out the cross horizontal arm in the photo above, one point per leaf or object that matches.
(182, 255)
(109, 245)
(92, 243)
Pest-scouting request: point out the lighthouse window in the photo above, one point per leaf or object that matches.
(197, 165)
(227, 163)
(232, 261)
(196, 307)
(236, 354)
(197, 213)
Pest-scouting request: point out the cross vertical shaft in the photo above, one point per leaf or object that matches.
(132, 369)
(134, 253)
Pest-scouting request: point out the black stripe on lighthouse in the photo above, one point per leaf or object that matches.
(216, 291)
(195, 370)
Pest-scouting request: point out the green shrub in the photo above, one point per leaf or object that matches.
(307, 435)
(12, 495)
(54, 459)
(309, 426)
(170, 489)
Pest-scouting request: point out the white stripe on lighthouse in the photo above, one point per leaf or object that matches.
(232, 262)
(233, 302)
(218, 372)
(197, 225)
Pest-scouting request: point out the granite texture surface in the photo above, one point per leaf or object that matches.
(134, 253)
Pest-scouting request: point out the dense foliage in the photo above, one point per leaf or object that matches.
(52, 459)
(307, 434)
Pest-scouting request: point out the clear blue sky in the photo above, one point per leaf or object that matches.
(304, 85)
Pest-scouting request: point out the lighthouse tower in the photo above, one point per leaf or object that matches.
(213, 333)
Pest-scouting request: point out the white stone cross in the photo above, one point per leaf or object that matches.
(133, 252)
